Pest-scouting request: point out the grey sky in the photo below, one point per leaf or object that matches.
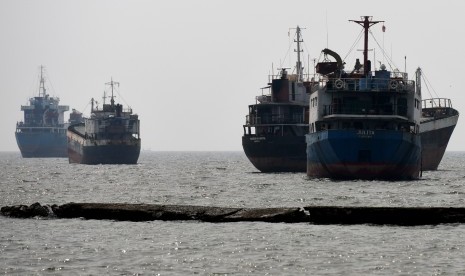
(191, 68)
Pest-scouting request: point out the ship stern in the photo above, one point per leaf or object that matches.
(364, 154)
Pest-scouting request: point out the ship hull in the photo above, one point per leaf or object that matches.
(276, 153)
(267, 154)
(104, 154)
(350, 154)
(435, 135)
(91, 152)
(42, 144)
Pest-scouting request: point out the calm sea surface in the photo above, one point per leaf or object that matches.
(92, 247)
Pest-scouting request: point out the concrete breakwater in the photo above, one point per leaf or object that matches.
(407, 216)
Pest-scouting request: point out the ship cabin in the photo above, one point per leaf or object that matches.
(43, 114)
(75, 117)
(44, 111)
(378, 100)
(283, 111)
(112, 122)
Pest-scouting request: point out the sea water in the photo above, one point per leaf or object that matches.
(227, 179)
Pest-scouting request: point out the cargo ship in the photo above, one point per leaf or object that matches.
(275, 127)
(42, 133)
(437, 124)
(364, 124)
(111, 135)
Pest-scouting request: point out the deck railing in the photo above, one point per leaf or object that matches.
(373, 84)
(275, 119)
(437, 108)
(357, 109)
(436, 102)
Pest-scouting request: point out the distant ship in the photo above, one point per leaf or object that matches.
(364, 124)
(275, 128)
(437, 124)
(110, 136)
(43, 131)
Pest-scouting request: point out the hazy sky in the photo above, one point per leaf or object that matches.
(191, 68)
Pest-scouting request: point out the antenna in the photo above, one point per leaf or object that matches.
(42, 83)
(384, 31)
(271, 77)
(298, 64)
(308, 65)
(314, 66)
(405, 64)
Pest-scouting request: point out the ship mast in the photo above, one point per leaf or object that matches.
(112, 83)
(418, 80)
(42, 83)
(298, 65)
(366, 24)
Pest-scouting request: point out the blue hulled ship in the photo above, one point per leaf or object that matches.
(43, 131)
(364, 124)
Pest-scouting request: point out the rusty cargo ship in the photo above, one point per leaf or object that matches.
(111, 135)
